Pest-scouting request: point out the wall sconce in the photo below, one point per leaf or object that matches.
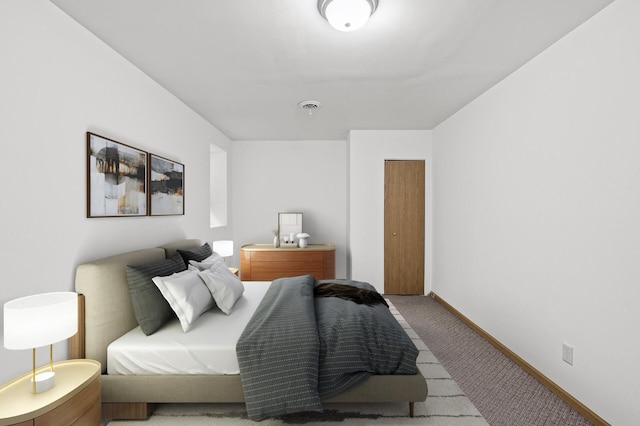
(347, 15)
(224, 248)
(34, 321)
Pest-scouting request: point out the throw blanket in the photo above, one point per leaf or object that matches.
(297, 350)
(349, 292)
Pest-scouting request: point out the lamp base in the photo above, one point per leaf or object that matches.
(44, 382)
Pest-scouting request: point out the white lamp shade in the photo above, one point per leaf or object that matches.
(40, 320)
(224, 248)
(348, 15)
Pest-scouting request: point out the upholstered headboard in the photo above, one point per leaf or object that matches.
(108, 313)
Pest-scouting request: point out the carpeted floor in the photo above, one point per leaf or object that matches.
(446, 405)
(503, 392)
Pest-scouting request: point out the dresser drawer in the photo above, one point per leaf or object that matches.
(288, 256)
(261, 262)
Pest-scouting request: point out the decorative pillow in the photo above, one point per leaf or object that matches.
(206, 263)
(198, 254)
(149, 306)
(224, 286)
(187, 294)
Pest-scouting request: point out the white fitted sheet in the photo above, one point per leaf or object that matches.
(209, 347)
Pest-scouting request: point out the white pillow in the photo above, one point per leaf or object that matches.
(187, 294)
(206, 263)
(224, 286)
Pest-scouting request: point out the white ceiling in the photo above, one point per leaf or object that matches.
(244, 65)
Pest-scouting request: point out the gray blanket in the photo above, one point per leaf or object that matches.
(357, 341)
(297, 350)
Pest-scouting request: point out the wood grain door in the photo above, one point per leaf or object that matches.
(404, 224)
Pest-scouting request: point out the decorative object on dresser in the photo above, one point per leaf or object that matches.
(34, 321)
(302, 239)
(263, 262)
(166, 186)
(116, 178)
(74, 401)
(289, 225)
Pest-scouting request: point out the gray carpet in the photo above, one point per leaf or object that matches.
(446, 405)
(502, 391)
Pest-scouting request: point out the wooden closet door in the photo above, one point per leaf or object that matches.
(404, 225)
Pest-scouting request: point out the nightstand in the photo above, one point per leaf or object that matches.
(75, 398)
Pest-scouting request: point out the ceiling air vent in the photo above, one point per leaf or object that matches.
(309, 106)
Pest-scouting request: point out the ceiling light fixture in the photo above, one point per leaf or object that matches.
(347, 15)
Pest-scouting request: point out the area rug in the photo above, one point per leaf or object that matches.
(446, 405)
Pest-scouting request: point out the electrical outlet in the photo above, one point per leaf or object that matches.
(567, 353)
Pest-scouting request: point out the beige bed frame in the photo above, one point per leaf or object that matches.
(105, 313)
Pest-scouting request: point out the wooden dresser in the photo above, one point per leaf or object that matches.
(264, 262)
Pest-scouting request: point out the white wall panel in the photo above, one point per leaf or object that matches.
(295, 176)
(537, 200)
(368, 149)
(58, 81)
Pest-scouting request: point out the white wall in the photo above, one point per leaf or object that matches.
(537, 207)
(300, 176)
(58, 81)
(367, 151)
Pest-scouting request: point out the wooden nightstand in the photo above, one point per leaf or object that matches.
(75, 398)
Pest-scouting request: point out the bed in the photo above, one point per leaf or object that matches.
(106, 315)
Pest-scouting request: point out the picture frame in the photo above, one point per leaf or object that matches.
(116, 178)
(166, 186)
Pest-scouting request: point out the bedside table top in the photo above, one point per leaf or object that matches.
(18, 404)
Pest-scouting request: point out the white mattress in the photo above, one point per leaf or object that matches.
(209, 347)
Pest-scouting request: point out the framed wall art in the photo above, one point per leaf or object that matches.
(116, 178)
(166, 186)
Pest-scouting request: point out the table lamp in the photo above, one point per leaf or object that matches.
(40, 320)
(223, 247)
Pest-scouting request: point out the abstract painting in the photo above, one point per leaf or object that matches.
(166, 186)
(116, 178)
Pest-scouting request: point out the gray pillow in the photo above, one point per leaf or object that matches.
(149, 305)
(198, 254)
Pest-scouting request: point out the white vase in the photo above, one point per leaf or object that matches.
(276, 241)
